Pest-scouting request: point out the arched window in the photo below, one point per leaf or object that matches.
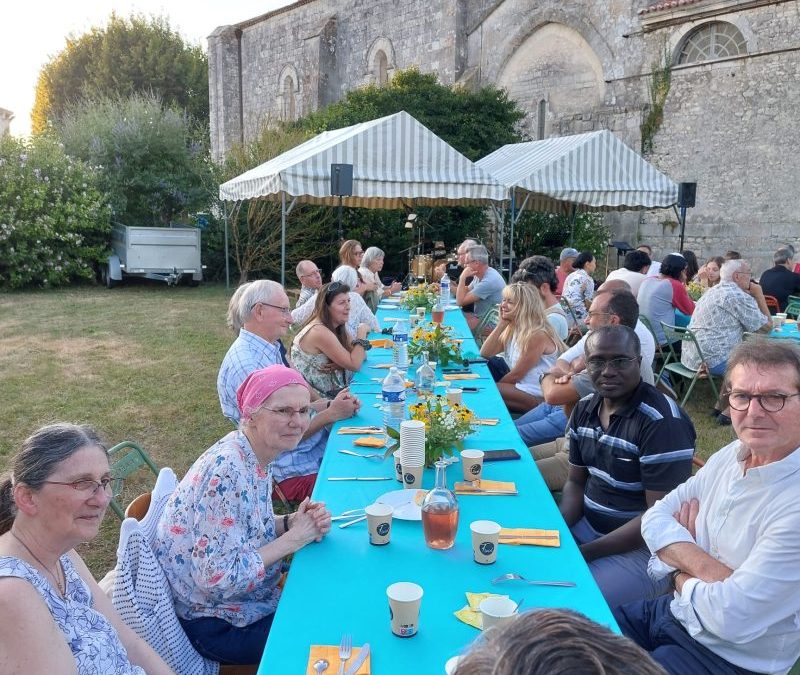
(381, 68)
(288, 99)
(540, 121)
(712, 41)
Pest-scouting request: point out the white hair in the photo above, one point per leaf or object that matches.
(478, 254)
(372, 254)
(262, 290)
(731, 267)
(345, 274)
(235, 319)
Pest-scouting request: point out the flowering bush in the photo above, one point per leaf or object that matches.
(437, 340)
(54, 222)
(446, 426)
(424, 295)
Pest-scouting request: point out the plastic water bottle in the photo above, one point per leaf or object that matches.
(393, 392)
(444, 291)
(426, 378)
(400, 344)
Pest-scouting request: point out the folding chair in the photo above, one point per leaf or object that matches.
(577, 328)
(674, 365)
(127, 458)
(793, 306)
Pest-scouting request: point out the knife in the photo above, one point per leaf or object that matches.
(362, 656)
(361, 478)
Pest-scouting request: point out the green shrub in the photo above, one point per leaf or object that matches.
(54, 220)
(547, 233)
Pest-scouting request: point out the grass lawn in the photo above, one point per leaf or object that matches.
(140, 363)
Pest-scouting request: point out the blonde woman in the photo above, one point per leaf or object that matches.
(530, 343)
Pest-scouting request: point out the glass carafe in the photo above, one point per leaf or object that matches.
(440, 512)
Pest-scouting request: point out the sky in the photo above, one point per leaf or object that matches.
(33, 31)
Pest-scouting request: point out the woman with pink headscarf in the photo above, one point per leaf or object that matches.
(219, 542)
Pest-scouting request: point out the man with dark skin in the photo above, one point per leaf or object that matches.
(629, 446)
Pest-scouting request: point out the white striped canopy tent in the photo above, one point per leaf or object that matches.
(586, 172)
(397, 163)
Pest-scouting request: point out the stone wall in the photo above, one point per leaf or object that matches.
(729, 125)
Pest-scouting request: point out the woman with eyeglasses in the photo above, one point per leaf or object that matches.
(530, 343)
(351, 253)
(371, 265)
(219, 542)
(55, 617)
(324, 350)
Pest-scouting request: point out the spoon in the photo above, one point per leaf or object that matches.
(511, 576)
(321, 665)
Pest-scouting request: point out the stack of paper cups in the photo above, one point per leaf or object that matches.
(412, 452)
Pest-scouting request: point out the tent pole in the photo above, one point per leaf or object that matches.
(227, 256)
(572, 226)
(511, 232)
(283, 238)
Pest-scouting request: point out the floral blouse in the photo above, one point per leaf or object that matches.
(578, 292)
(91, 637)
(207, 540)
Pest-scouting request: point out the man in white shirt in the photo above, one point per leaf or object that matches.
(633, 271)
(728, 537)
(655, 266)
(310, 278)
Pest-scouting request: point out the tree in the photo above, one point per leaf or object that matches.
(127, 56)
(152, 167)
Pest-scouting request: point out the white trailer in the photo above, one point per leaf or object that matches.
(161, 253)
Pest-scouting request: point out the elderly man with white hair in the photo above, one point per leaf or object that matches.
(263, 312)
(310, 278)
(484, 291)
(723, 314)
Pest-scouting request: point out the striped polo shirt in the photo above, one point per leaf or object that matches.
(648, 445)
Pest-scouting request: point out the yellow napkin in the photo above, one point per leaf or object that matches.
(470, 614)
(464, 488)
(461, 376)
(487, 421)
(381, 343)
(527, 536)
(331, 654)
(370, 442)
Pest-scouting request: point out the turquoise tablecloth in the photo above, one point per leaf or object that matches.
(339, 585)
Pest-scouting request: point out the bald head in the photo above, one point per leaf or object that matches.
(613, 285)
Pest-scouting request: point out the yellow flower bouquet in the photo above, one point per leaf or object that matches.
(437, 340)
(424, 295)
(446, 426)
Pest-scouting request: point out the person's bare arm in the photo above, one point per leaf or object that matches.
(463, 295)
(530, 355)
(493, 345)
(324, 341)
(571, 505)
(559, 390)
(757, 293)
(139, 652)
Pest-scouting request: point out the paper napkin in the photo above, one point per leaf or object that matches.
(370, 442)
(526, 536)
(381, 343)
(470, 614)
(464, 488)
(331, 654)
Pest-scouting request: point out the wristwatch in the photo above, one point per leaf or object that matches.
(542, 376)
(363, 342)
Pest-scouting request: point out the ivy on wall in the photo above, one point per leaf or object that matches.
(658, 87)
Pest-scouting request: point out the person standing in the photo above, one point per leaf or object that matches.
(579, 285)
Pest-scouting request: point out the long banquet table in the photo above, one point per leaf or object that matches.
(339, 585)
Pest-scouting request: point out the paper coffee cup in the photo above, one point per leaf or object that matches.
(472, 464)
(781, 317)
(398, 468)
(379, 523)
(454, 395)
(412, 477)
(404, 602)
(497, 611)
(420, 312)
(485, 537)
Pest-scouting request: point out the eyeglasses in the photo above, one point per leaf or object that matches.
(282, 310)
(333, 287)
(87, 487)
(287, 413)
(311, 274)
(591, 314)
(619, 363)
(358, 252)
(740, 400)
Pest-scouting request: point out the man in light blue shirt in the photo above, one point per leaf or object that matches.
(264, 310)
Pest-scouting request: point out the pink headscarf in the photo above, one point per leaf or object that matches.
(261, 384)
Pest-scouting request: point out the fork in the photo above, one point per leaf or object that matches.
(374, 456)
(345, 649)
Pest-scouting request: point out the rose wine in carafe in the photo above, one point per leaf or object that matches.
(440, 512)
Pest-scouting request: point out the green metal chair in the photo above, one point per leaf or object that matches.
(491, 317)
(793, 307)
(673, 363)
(660, 354)
(126, 459)
(577, 328)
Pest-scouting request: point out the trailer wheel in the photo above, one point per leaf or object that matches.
(105, 277)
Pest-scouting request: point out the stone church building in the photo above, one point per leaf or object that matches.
(729, 122)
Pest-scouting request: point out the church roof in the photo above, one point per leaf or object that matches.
(668, 4)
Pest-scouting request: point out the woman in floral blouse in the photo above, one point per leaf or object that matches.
(579, 285)
(218, 540)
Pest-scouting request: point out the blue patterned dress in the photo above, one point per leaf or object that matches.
(209, 535)
(94, 642)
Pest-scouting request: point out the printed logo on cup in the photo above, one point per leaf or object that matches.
(406, 630)
(382, 529)
(486, 548)
(391, 613)
(475, 469)
(409, 478)
(398, 468)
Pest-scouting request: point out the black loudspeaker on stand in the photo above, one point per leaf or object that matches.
(686, 194)
(341, 186)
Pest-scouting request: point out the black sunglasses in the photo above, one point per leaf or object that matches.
(335, 287)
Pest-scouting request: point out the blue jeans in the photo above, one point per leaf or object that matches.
(543, 424)
(719, 369)
(623, 577)
(651, 625)
(218, 640)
